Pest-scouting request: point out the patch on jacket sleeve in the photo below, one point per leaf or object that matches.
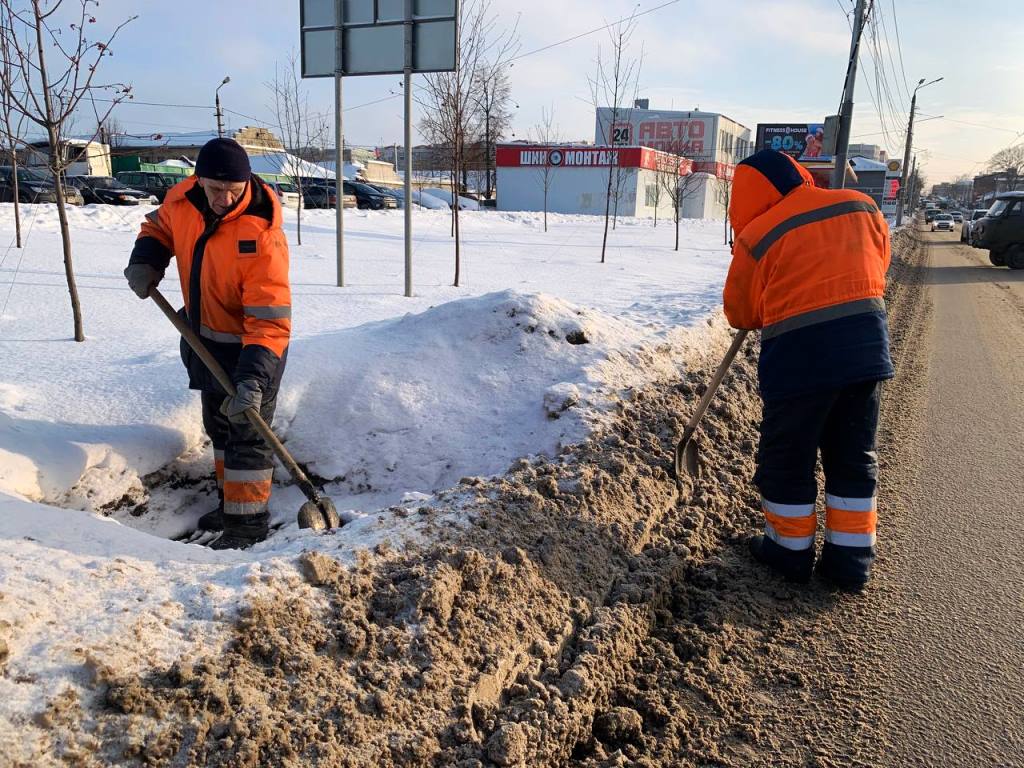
(247, 246)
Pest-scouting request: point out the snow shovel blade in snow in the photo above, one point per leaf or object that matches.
(318, 512)
(686, 448)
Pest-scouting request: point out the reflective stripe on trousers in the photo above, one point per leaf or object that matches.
(850, 522)
(789, 525)
(246, 491)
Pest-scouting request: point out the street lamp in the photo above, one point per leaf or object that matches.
(216, 94)
(906, 152)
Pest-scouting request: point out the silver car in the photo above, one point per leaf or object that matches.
(943, 222)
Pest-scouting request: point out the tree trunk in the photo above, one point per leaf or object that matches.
(545, 209)
(487, 153)
(607, 214)
(615, 211)
(677, 227)
(65, 236)
(17, 203)
(298, 217)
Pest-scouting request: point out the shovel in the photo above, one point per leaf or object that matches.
(686, 448)
(318, 513)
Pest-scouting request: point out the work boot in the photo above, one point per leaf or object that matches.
(242, 531)
(847, 568)
(793, 565)
(212, 520)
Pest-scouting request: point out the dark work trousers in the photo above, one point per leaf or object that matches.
(243, 460)
(841, 423)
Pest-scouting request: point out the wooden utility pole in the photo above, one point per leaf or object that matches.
(860, 16)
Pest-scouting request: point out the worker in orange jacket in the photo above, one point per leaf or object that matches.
(808, 270)
(223, 226)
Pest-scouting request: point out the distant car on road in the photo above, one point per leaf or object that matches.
(930, 213)
(1001, 231)
(109, 191)
(943, 222)
(958, 217)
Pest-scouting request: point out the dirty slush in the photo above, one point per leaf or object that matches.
(590, 614)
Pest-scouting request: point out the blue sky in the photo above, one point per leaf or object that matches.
(754, 60)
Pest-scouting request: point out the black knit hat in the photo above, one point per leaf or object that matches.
(223, 160)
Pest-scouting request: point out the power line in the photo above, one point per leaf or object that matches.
(598, 29)
(899, 45)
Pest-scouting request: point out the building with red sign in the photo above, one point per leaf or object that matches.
(714, 143)
(575, 178)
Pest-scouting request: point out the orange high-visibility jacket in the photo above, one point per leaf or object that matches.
(808, 269)
(234, 277)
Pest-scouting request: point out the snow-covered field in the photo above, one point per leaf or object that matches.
(391, 398)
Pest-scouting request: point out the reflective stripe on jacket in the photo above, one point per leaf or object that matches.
(808, 269)
(235, 268)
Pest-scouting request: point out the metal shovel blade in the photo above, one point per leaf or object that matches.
(686, 459)
(686, 456)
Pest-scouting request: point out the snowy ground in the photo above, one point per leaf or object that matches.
(102, 456)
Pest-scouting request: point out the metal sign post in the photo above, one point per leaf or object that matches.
(407, 96)
(339, 155)
(377, 37)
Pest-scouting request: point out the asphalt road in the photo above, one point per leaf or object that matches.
(951, 642)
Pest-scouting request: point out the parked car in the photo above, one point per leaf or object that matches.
(155, 184)
(465, 203)
(368, 197)
(943, 222)
(324, 196)
(109, 191)
(286, 192)
(1001, 231)
(33, 186)
(958, 217)
(316, 195)
(422, 199)
(968, 225)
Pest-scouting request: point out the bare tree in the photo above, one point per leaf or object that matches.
(14, 124)
(614, 80)
(547, 134)
(679, 189)
(1010, 162)
(51, 97)
(449, 100)
(494, 104)
(723, 191)
(657, 193)
(299, 128)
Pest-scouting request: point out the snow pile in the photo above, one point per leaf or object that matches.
(418, 402)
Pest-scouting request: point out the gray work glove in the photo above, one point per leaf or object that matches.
(247, 395)
(142, 278)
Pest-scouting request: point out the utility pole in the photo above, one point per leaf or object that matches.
(220, 114)
(900, 203)
(912, 184)
(860, 16)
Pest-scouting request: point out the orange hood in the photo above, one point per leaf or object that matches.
(760, 182)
